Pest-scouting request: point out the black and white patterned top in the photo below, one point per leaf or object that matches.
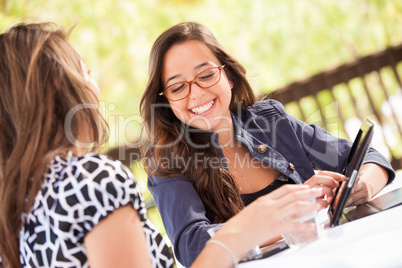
(76, 195)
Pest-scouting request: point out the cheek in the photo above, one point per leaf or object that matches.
(180, 116)
(179, 111)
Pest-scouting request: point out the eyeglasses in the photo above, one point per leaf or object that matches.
(205, 79)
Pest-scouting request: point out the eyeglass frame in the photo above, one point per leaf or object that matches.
(194, 82)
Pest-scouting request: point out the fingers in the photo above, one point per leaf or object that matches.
(291, 200)
(299, 201)
(357, 198)
(327, 179)
(297, 209)
(360, 193)
(298, 227)
(328, 191)
(323, 203)
(291, 193)
(270, 213)
(287, 189)
(335, 175)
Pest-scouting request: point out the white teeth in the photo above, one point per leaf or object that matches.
(204, 108)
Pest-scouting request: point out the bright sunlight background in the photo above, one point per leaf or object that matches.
(278, 41)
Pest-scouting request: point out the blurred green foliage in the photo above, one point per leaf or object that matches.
(278, 41)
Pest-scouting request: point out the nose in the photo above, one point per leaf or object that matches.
(195, 91)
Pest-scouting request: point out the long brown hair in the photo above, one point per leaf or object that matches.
(214, 185)
(41, 83)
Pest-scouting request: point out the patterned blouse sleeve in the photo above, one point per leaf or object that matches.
(101, 186)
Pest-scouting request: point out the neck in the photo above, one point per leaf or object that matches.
(227, 135)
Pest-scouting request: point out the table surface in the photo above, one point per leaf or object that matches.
(372, 241)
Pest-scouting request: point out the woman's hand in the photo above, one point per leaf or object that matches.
(371, 180)
(268, 217)
(329, 181)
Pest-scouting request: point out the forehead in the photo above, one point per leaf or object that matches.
(183, 58)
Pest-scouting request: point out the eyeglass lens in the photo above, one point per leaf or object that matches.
(204, 79)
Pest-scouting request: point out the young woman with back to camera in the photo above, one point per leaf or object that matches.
(63, 205)
(213, 150)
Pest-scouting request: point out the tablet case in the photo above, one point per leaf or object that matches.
(351, 171)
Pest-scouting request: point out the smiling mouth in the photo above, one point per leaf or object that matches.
(204, 108)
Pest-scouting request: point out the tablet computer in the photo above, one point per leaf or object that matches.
(351, 171)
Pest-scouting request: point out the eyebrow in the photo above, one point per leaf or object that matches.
(199, 66)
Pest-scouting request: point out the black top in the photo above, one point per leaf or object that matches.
(278, 182)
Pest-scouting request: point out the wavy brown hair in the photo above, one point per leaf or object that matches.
(215, 186)
(41, 83)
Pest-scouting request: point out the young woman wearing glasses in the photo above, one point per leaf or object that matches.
(213, 149)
